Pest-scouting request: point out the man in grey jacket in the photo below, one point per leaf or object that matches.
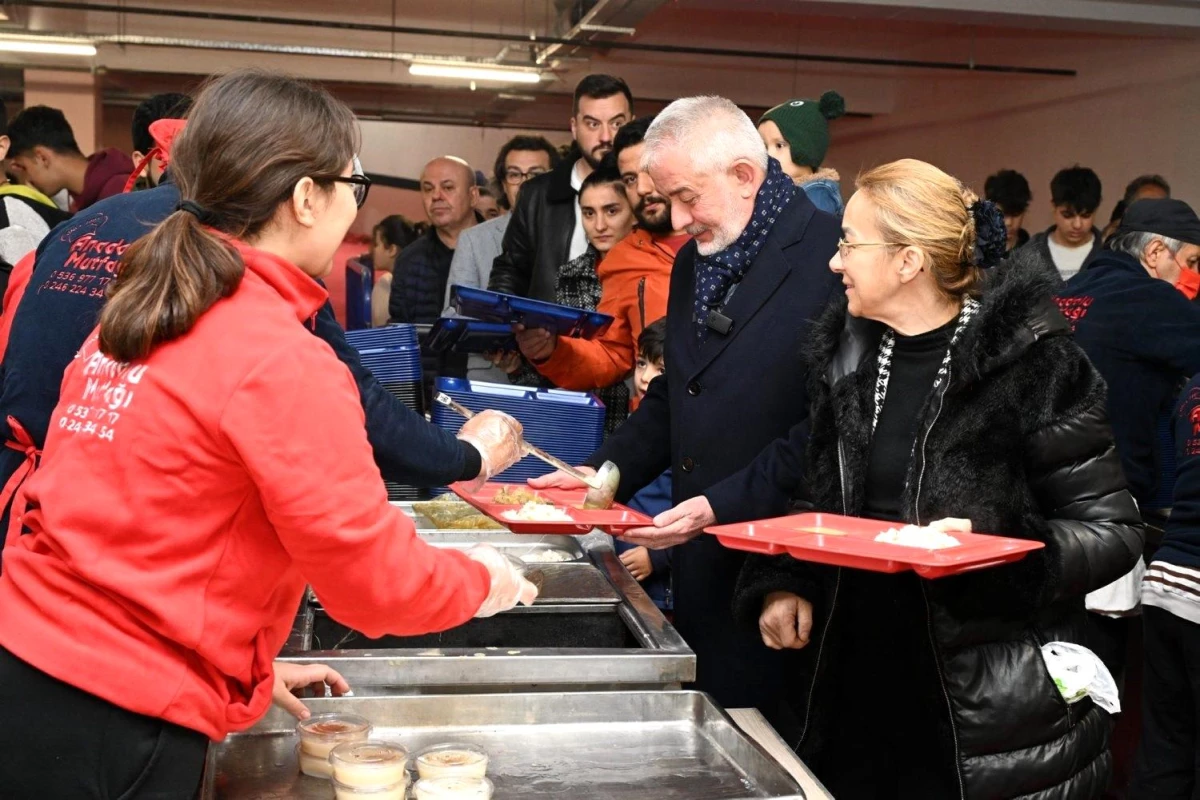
(521, 158)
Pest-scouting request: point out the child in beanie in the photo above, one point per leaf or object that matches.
(797, 136)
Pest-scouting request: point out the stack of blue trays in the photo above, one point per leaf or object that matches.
(569, 425)
(393, 355)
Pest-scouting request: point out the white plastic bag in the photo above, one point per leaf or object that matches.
(1078, 673)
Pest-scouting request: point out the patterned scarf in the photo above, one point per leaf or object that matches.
(715, 274)
(888, 343)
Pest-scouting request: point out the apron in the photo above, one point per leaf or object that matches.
(11, 500)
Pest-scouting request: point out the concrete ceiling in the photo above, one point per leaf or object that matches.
(754, 50)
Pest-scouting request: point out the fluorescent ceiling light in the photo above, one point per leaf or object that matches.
(44, 46)
(473, 72)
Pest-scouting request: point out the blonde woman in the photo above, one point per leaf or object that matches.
(949, 395)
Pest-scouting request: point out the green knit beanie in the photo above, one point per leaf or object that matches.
(805, 125)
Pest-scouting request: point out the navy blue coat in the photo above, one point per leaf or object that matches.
(1181, 541)
(60, 307)
(717, 406)
(1143, 336)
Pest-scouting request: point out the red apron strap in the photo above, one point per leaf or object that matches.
(22, 442)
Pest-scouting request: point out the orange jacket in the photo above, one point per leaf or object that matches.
(183, 502)
(586, 365)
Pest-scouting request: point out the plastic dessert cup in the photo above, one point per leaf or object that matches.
(320, 733)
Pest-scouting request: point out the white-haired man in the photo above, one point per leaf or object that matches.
(742, 297)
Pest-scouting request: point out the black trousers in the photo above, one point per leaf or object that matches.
(1167, 765)
(59, 742)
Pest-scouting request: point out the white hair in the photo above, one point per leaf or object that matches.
(1134, 243)
(712, 130)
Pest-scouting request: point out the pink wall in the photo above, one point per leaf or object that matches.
(1134, 108)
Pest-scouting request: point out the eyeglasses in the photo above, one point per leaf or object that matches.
(845, 247)
(515, 176)
(359, 182)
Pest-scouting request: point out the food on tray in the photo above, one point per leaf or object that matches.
(320, 733)
(517, 496)
(464, 761)
(914, 536)
(450, 513)
(538, 512)
(453, 789)
(369, 765)
(547, 557)
(822, 531)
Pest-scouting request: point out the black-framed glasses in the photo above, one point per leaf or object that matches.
(513, 176)
(359, 182)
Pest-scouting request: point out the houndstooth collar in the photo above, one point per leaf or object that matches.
(887, 346)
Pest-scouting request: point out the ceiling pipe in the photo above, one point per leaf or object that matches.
(330, 24)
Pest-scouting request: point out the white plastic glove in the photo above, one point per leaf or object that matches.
(509, 586)
(497, 437)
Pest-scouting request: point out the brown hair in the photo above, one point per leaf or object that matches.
(250, 138)
(918, 205)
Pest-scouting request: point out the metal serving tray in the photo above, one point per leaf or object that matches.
(583, 642)
(515, 544)
(581, 746)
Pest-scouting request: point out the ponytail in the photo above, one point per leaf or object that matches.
(166, 280)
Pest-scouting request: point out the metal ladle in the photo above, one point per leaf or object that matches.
(602, 487)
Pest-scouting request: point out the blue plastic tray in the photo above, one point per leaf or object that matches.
(567, 424)
(381, 338)
(510, 309)
(463, 335)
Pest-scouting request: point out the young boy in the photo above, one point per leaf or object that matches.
(1075, 196)
(652, 568)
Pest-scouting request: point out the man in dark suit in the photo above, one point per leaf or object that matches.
(743, 295)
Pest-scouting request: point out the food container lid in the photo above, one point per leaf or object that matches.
(454, 788)
(436, 756)
(333, 725)
(371, 754)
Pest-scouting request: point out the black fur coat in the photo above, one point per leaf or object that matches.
(1021, 446)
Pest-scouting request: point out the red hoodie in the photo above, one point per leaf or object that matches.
(184, 501)
(107, 171)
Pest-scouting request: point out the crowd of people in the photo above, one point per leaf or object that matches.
(191, 439)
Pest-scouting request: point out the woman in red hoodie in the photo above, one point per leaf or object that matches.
(208, 459)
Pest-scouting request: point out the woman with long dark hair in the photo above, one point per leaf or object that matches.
(207, 459)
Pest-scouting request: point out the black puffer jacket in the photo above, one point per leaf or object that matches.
(1017, 442)
(538, 239)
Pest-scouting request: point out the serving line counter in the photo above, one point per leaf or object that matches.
(643, 745)
(575, 697)
(592, 628)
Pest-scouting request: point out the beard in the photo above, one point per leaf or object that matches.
(722, 238)
(658, 222)
(596, 156)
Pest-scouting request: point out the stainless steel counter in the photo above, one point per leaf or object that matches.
(586, 746)
(592, 628)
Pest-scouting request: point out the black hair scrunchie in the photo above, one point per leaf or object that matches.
(991, 237)
(198, 211)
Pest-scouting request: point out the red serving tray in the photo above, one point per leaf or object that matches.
(850, 542)
(613, 520)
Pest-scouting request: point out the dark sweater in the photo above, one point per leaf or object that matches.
(915, 363)
(1143, 336)
(1181, 543)
(419, 280)
(66, 292)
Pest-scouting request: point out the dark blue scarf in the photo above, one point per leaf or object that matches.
(715, 274)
